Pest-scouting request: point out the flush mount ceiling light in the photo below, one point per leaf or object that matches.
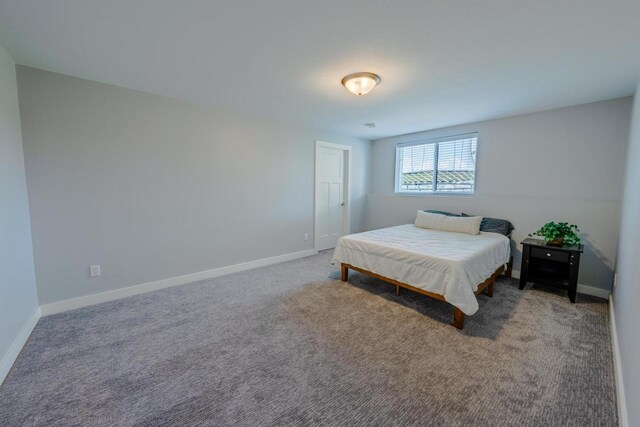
(360, 83)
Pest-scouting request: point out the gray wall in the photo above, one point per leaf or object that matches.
(561, 164)
(151, 187)
(18, 300)
(626, 294)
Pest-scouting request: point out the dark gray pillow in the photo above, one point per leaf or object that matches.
(441, 212)
(495, 225)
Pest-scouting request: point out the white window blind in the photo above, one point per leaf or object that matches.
(443, 165)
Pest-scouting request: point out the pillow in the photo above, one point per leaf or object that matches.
(441, 212)
(495, 225)
(468, 225)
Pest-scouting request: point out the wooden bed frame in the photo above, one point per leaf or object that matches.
(458, 315)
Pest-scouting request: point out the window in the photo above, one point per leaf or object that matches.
(443, 165)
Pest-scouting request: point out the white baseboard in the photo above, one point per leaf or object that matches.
(582, 289)
(71, 304)
(623, 418)
(11, 355)
(596, 292)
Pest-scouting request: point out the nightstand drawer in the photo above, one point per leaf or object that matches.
(552, 255)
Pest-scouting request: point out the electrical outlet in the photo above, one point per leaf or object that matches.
(306, 236)
(94, 270)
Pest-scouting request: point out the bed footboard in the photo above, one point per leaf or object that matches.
(458, 315)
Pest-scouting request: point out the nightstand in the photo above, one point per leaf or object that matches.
(556, 266)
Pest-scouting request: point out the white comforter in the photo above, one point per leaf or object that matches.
(445, 263)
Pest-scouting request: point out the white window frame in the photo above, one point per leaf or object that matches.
(398, 171)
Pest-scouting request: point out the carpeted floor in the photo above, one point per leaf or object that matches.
(290, 344)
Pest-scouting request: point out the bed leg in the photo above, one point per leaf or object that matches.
(458, 318)
(397, 290)
(490, 289)
(507, 272)
(345, 272)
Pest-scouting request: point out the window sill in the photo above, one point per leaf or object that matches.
(441, 194)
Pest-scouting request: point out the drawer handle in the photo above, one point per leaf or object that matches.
(548, 254)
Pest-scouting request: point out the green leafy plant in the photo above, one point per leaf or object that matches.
(553, 232)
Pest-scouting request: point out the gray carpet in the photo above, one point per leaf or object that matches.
(290, 344)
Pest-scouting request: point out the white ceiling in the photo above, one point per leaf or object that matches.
(441, 62)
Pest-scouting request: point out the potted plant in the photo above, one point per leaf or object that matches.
(557, 234)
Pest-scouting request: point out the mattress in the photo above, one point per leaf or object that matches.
(441, 262)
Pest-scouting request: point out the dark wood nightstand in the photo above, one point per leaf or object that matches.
(550, 265)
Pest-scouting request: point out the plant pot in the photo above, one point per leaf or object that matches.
(556, 242)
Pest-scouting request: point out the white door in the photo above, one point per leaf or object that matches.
(331, 212)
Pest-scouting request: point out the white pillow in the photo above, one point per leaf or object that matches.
(457, 224)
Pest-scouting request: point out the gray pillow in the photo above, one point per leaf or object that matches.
(495, 225)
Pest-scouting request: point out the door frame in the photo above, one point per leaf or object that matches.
(346, 212)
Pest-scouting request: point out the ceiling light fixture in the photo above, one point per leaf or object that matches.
(360, 83)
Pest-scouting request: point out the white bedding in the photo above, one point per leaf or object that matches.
(442, 262)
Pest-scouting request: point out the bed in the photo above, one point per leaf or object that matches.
(448, 266)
